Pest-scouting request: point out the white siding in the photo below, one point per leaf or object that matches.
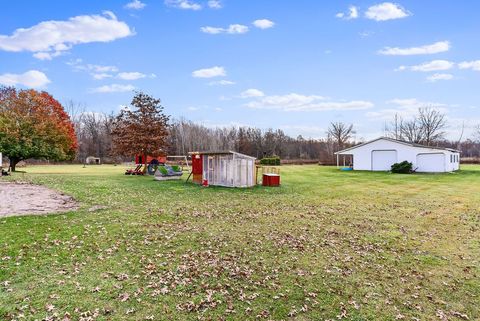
(382, 160)
(431, 163)
(452, 161)
(363, 156)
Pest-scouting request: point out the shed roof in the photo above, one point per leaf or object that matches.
(399, 142)
(222, 152)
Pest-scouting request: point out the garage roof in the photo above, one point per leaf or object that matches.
(399, 142)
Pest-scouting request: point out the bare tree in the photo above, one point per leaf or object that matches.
(412, 131)
(427, 127)
(476, 133)
(394, 129)
(432, 123)
(340, 133)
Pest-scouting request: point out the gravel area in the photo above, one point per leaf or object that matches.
(26, 199)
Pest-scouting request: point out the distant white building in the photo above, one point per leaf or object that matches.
(92, 160)
(381, 153)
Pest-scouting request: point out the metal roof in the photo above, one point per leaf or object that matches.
(399, 142)
(221, 152)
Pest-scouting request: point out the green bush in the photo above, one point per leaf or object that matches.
(404, 167)
(273, 161)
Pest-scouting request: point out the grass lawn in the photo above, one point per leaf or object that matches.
(326, 245)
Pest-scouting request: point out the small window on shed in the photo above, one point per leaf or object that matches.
(451, 158)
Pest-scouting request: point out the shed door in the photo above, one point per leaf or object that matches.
(382, 160)
(197, 164)
(431, 163)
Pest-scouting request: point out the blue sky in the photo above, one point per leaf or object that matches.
(293, 65)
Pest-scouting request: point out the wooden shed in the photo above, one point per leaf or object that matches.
(223, 168)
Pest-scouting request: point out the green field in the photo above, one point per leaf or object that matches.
(326, 245)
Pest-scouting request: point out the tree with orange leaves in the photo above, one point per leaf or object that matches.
(33, 124)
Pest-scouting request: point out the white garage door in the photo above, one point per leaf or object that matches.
(431, 163)
(382, 160)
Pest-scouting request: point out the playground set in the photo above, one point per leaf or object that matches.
(211, 168)
(161, 167)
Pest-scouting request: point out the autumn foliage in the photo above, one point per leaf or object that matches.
(141, 129)
(33, 124)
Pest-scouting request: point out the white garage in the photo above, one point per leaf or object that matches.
(381, 153)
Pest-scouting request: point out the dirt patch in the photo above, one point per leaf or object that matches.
(27, 199)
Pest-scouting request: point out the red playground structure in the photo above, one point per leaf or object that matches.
(152, 163)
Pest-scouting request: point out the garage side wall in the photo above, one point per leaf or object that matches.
(453, 161)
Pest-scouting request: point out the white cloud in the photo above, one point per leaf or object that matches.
(100, 68)
(131, 75)
(113, 88)
(238, 28)
(412, 103)
(386, 11)
(212, 30)
(297, 102)
(404, 108)
(252, 93)
(209, 72)
(352, 13)
(304, 130)
(51, 38)
(263, 23)
(101, 76)
(100, 72)
(434, 48)
(366, 33)
(48, 55)
(474, 65)
(96, 71)
(222, 82)
(438, 76)
(135, 5)
(215, 4)
(211, 124)
(31, 78)
(434, 65)
(232, 29)
(183, 4)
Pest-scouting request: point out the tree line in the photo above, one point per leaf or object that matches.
(34, 125)
(427, 127)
